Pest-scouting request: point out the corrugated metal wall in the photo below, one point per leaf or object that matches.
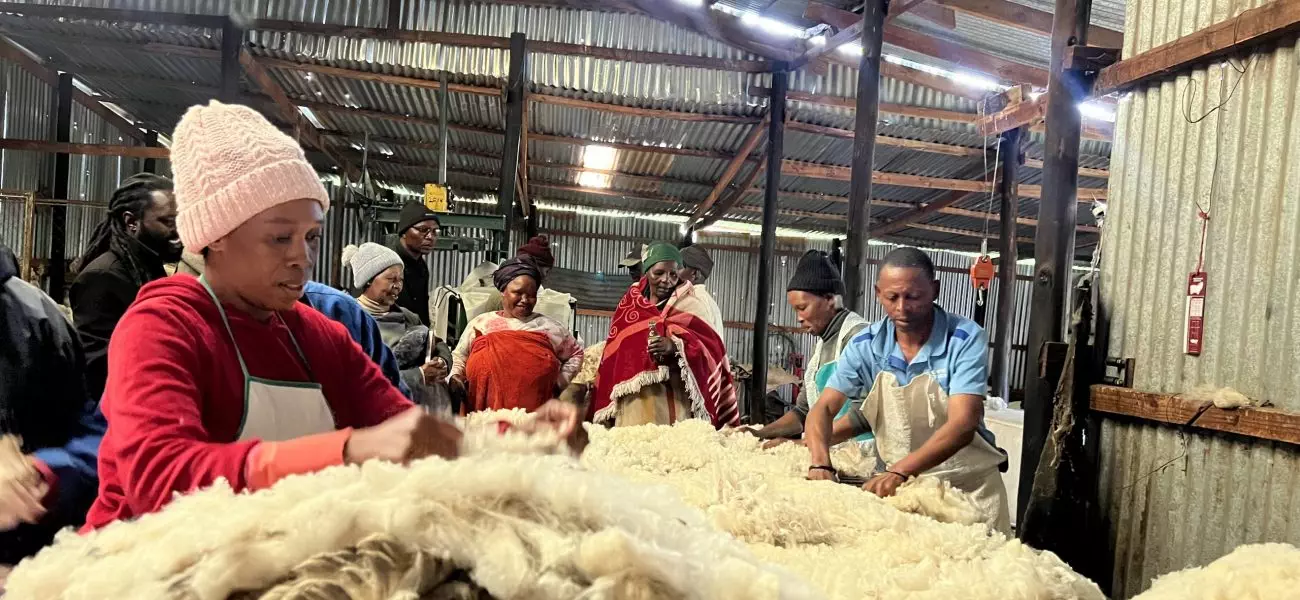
(1240, 164)
(27, 113)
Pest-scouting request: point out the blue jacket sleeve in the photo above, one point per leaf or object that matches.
(75, 468)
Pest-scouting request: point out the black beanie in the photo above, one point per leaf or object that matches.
(413, 213)
(816, 274)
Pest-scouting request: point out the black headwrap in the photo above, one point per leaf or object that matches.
(513, 268)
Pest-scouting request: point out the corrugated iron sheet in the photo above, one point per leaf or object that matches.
(1214, 492)
(1175, 500)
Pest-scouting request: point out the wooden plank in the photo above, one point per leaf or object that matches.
(1027, 19)
(1260, 423)
(992, 237)
(736, 195)
(427, 84)
(921, 78)
(635, 111)
(910, 219)
(541, 137)
(849, 102)
(1085, 195)
(904, 6)
(1000, 68)
(968, 58)
(289, 112)
(839, 173)
(13, 53)
(1248, 29)
(1019, 114)
(498, 42)
(747, 146)
(1031, 113)
(939, 15)
(882, 140)
(83, 149)
(1035, 163)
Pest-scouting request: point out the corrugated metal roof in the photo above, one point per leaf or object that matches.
(1018, 45)
(1105, 13)
(629, 84)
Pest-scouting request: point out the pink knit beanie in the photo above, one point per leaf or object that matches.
(229, 164)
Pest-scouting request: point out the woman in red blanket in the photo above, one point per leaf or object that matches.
(514, 357)
(664, 360)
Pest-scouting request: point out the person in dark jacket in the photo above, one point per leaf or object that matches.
(417, 234)
(127, 250)
(43, 401)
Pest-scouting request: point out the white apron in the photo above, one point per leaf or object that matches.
(905, 417)
(275, 411)
(817, 374)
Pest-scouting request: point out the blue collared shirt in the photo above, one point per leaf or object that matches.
(955, 355)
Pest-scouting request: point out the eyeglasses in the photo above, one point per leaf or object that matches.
(425, 231)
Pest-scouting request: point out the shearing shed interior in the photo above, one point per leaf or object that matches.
(558, 299)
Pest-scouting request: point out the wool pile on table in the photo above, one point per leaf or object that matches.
(848, 543)
(493, 524)
(1251, 572)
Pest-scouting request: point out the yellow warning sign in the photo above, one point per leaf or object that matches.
(435, 197)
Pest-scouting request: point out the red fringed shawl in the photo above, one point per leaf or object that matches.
(626, 366)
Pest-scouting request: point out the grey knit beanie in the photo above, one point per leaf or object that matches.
(368, 261)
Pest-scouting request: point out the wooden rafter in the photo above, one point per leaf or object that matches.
(736, 195)
(84, 149)
(747, 146)
(636, 111)
(11, 52)
(919, 112)
(1031, 113)
(882, 140)
(1024, 18)
(289, 111)
(979, 62)
(1250, 28)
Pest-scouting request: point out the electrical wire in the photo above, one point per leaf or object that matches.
(1189, 93)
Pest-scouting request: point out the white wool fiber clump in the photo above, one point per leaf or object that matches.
(1252, 572)
(524, 526)
(1225, 397)
(847, 542)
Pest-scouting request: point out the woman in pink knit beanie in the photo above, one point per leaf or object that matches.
(228, 375)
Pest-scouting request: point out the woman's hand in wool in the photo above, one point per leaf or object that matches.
(411, 435)
(20, 498)
(566, 418)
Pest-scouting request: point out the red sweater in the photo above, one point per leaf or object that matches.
(175, 394)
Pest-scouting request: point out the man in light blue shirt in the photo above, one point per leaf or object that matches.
(924, 374)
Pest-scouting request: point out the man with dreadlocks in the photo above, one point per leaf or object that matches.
(127, 250)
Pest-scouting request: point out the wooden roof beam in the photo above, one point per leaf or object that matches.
(11, 52)
(919, 112)
(747, 147)
(979, 62)
(882, 140)
(737, 195)
(289, 111)
(1248, 29)
(1024, 18)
